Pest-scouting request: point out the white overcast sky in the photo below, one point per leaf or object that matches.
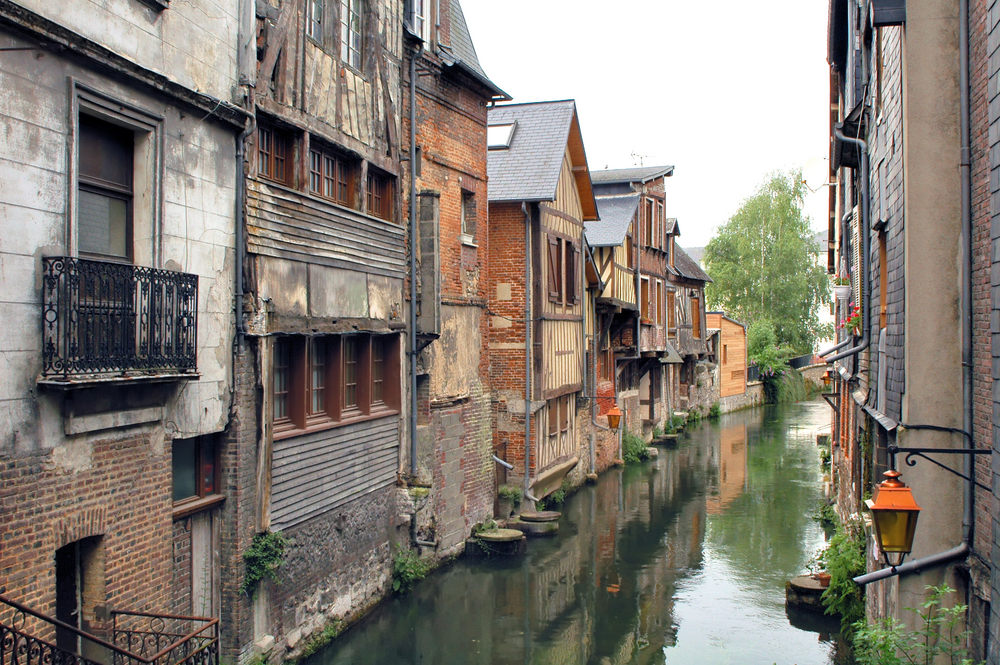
(725, 91)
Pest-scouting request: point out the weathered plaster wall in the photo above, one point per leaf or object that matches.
(194, 234)
(192, 43)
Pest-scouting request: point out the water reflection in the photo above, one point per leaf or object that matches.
(681, 560)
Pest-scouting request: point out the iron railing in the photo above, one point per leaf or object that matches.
(102, 318)
(28, 637)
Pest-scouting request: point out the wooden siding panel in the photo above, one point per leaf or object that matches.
(562, 354)
(567, 193)
(733, 372)
(317, 472)
(287, 224)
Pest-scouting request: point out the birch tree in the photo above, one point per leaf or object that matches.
(764, 264)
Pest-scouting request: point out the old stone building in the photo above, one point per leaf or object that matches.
(540, 195)
(120, 164)
(912, 211)
(323, 313)
(446, 99)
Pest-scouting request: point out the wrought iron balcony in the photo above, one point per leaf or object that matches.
(104, 320)
(28, 637)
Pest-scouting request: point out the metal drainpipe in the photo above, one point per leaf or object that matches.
(864, 233)
(967, 321)
(241, 192)
(527, 349)
(964, 547)
(413, 260)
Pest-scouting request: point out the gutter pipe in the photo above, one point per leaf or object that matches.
(864, 236)
(965, 547)
(966, 167)
(527, 349)
(246, 23)
(413, 260)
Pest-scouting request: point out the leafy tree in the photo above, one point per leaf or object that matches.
(764, 352)
(762, 263)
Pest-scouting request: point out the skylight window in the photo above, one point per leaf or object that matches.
(498, 136)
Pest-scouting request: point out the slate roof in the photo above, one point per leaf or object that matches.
(616, 214)
(687, 267)
(637, 174)
(672, 226)
(529, 169)
(462, 52)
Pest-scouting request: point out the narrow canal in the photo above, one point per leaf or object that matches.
(682, 559)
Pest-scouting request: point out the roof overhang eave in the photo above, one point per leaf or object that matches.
(498, 94)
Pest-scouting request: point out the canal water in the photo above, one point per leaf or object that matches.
(682, 559)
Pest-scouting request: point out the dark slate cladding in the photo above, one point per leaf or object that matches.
(616, 214)
(317, 472)
(687, 267)
(287, 224)
(638, 174)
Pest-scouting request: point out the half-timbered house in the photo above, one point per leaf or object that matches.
(690, 332)
(325, 265)
(645, 354)
(540, 195)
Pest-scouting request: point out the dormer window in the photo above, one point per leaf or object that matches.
(498, 137)
(418, 16)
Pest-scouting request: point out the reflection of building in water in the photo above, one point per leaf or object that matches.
(732, 463)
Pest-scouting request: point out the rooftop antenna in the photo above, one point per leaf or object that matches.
(639, 158)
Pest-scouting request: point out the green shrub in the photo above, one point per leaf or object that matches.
(320, 640)
(715, 411)
(826, 516)
(844, 559)
(881, 643)
(634, 449)
(511, 492)
(407, 568)
(824, 457)
(694, 417)
(262, 559)
(657, 432)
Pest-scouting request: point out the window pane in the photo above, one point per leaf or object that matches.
(318, 383)
(208, 465)
(280, 379)
(183, 453)
(106, 152)
(103, 222)
(315, 172)
(350, 372)
(378, 370)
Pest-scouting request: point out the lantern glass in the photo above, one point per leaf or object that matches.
(614, 418)
(894, 514)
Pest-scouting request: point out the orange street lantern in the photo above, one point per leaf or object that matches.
(614, 418)
(894, 513)
(826, 378)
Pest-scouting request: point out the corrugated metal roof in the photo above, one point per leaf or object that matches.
(529, 169)
(616, 214)
(687, 267)
(637, 174)
(462, 52)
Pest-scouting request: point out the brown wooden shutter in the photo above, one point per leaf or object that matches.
(555, 273)
(573, 273)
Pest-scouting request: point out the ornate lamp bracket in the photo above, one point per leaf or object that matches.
(912, 453)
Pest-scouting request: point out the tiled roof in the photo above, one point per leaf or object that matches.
(638, 174)
(672, 226)
(687, 267)
(462, 52)
(529, 169)
(616, 214)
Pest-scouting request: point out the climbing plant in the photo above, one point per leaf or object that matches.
(262, 559)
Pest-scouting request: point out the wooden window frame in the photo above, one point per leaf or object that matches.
(274, 154)
(659, 303)
(205, 496)
(315, 20)
(302, 413)
(332, 176)
(381, 195)
(351, 24)
(93, 184)
(696, 317)
(572, 268)
(671, 310)
(555, 273)
(644, 298)
(649, 223)
(468, 217)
